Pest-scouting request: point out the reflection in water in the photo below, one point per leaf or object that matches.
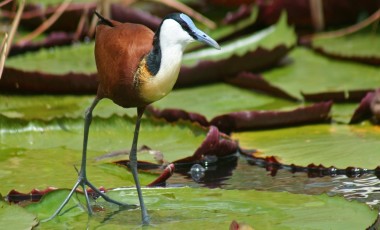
(365, 189)
(244, 175)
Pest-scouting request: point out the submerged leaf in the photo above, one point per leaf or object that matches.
(340, 146)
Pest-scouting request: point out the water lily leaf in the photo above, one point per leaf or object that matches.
(53, 39)
(265, 47)
(340, 146)
(252, 81)
(57, 60)
(189, 208)
(26, 158)
(359, 46)
(47, 107)
(248, 120)
(217, 99)
(368, 108)
(15, 217)
(313, 73)
(348, 96)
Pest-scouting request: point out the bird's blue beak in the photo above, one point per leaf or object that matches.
(204, 38)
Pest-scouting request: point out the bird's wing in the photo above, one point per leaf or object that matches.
(118, 52)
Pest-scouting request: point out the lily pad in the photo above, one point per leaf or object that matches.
(42, 154)
(340, 146)
(188, 208)
(313, 73)
(48, 107)
(217, 99)
(359, 46)
(15, 217)
(265, 47)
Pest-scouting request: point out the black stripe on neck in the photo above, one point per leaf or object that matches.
(153, 59)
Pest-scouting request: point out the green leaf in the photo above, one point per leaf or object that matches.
(267, 38)
(357, 45)
(38, 154)
(340, 146)
(312, 73)
(77, 58)
(47, 107)
(189, 208)
(15, 217)
(217, 99)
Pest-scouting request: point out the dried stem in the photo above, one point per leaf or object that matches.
(49, 22)
(81, 24)
(187, 10)
(9, 36)
(3, 48)
(351, 29)
(4, 2)
(316, 10)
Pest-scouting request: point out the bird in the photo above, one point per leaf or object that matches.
(136, 67)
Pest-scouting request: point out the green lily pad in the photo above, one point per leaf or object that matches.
(47, 107)
(77, 58)
(267, 39)
(217, 99)
(37, 154)
(313, 73)
(340, 146)
(359, 46)
(189, 208)
(15, 217)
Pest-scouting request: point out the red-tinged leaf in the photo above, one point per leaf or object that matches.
(214, 71)
(300, 14)
(68, 21)
(131, 15)
(33, 196)
(248, 120)
(239, 226)
(16, 80)
(363, 112)
(216, 144)
(173, 115)
(371, 60)
(166, 174)
(243, 12)
(53, 39)
(257, 82)
(341, 96)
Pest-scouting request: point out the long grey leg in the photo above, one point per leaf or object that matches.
(133, 166)
(82, 177)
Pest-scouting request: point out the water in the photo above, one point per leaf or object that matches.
(243, 174)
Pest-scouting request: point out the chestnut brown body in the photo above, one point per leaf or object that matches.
(119, 50)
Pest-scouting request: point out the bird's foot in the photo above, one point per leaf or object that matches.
(83, 182)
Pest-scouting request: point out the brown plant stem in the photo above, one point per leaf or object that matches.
(9, 37)
(348, 30)
(187, 10)
(44, 26)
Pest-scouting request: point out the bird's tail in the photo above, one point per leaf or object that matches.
(103, 20)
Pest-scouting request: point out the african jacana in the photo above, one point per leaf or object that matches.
(136, 67)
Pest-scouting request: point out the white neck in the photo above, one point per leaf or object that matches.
(173, 41)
